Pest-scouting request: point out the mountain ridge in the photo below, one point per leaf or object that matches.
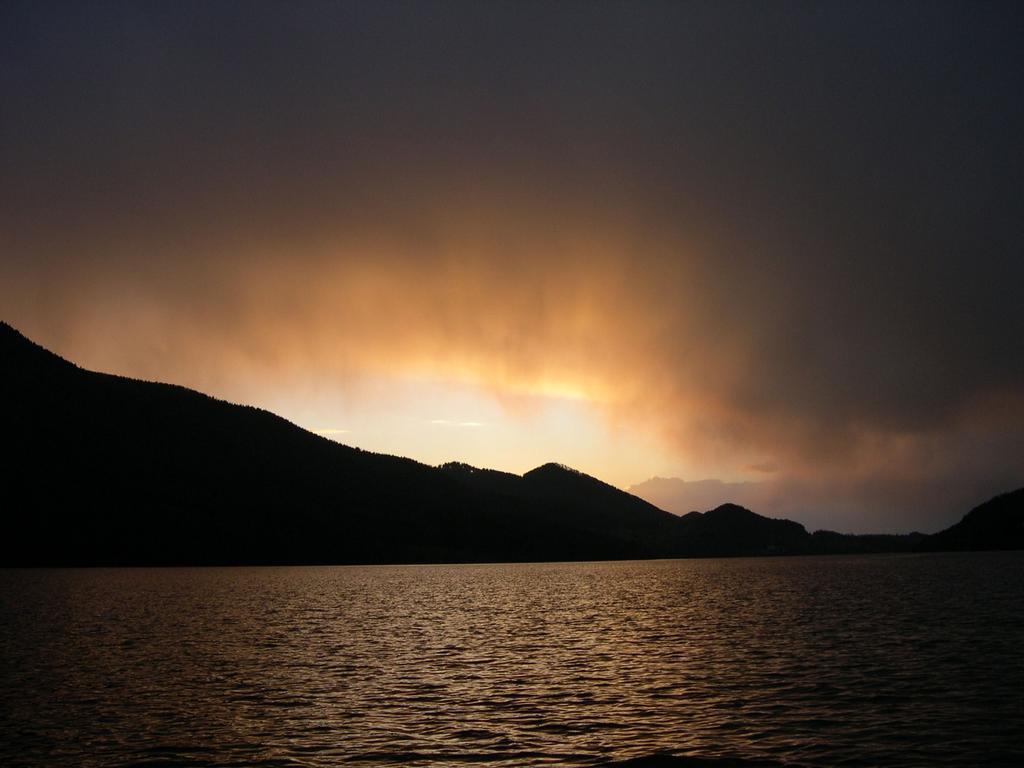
(108, 470)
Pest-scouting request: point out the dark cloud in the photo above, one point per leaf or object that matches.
(780, 235)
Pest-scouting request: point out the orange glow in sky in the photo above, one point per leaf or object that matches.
(643, 244)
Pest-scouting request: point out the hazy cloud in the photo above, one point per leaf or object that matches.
(786, 241)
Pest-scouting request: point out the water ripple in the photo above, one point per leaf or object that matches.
(852, 661)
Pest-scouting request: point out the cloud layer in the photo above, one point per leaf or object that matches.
(767, 237)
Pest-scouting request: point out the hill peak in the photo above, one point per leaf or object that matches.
(554, 468)
(730, 510)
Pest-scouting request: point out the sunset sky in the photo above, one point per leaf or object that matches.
(776, 245)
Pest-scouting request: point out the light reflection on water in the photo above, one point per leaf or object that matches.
(903, 660)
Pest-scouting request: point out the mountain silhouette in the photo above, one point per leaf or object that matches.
(730, 530)
(107, 470)
(102, 469)
(996, 524)
(582, 501)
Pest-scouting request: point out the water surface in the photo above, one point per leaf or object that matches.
(871, 660)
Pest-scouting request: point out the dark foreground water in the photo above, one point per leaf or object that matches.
(877, 660)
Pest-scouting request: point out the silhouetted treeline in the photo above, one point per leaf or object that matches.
(107, 470)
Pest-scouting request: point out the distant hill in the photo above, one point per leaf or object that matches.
(731, 530)
(996, 524)
(680, 496)
(105, 470)
(582, 501)
(832, 543)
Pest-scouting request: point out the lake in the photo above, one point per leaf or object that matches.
(907, 660)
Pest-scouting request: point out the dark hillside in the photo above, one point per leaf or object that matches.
(105, 470)
(996, 524)
(731, 530)
(108, 470)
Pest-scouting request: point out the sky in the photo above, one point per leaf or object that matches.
(774, 246)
